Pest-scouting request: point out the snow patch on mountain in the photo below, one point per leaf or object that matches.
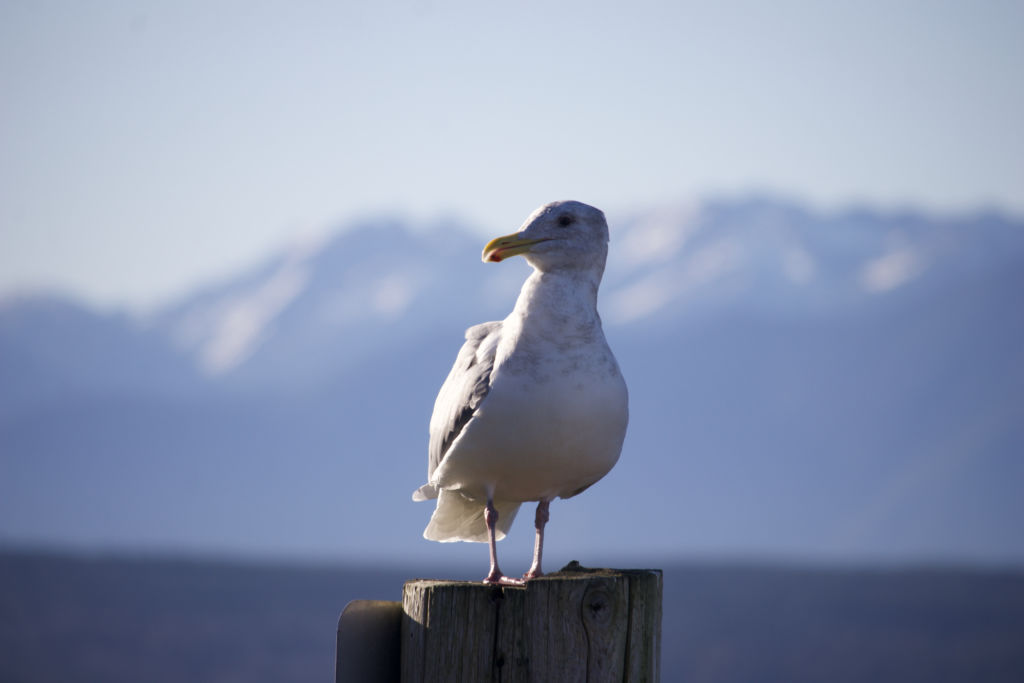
(640, 299)
(385, 297)
(892, 269)
(244, 321)
(224, 333)
(654, 291)
(657, 237)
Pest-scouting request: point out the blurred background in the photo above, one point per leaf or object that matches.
(239, 246)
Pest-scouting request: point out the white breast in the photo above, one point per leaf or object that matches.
(547, 428)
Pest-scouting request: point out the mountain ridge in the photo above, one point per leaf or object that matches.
(846, 383)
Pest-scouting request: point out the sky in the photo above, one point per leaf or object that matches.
(148, 147)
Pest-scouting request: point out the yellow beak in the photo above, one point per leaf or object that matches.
(500, 248)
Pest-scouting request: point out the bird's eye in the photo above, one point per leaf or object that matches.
(565, 220)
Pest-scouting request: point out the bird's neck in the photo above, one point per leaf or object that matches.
(561, 299)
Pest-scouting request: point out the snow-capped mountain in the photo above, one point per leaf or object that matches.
(383, 280)
(848, 383)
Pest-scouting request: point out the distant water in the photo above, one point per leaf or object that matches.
(75, 618)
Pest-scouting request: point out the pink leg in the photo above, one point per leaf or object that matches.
(495, 575)
(538, 546)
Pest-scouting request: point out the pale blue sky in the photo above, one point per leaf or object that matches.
(145, 147)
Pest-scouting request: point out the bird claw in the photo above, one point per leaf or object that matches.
(496, 578)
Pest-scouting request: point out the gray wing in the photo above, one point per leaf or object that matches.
(461, 394)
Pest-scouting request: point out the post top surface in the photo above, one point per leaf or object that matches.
(573, 571)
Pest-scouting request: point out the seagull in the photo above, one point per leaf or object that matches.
(535, 407)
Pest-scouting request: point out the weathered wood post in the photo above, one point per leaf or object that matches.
(577, 625)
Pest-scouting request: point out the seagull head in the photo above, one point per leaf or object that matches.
(560, 235)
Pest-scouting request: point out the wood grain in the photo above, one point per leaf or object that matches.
(576, 626)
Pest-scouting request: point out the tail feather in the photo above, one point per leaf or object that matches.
(458, 518)
(425, 492)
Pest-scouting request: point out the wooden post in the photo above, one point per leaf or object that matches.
(577, 625)
(369, 636)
